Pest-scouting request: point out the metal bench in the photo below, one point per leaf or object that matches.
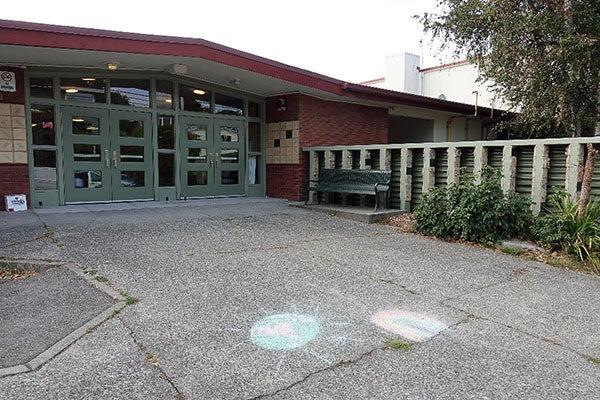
(352, 181)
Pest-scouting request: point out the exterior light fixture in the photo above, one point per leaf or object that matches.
(112, 66)
(77, 119)
(71, 90)
(88, 79)
(199, 92)
(168, 101)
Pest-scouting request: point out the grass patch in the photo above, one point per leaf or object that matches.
(101, 278)
(10, 270)
(593, 360)
(395, 344)
(130, 300)
(512, 251)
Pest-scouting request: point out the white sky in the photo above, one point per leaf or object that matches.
(344, 39)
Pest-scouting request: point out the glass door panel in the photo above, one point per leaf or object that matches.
(131, 156)
(197, 160)
(86, 149)
(230, 157)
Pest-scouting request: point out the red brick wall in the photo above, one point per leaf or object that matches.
(14, 178)
(321, 123)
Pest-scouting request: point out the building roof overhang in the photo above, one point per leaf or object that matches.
(33, 44)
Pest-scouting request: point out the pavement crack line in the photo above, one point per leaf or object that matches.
(339, 364)
(147, 358)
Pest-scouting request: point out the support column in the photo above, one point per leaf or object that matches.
(313, 174)
(385, 159)
(509, 168)
(428, 170)
(329, 159)
(405, 178)
(364, 156)
(574, 167)
(453, 165)
(481, 160)
(539, 177)
(346, 164)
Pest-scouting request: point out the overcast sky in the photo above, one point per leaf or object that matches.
(346, 39)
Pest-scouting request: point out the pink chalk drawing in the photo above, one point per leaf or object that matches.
(410, 325)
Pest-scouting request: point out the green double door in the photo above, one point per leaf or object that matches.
(107, 155)
(213, 157)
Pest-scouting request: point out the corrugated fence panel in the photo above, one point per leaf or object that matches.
(524, 171)
(467, 160)
(596, 180)
(557, 168)
(441, 167)
(395, 184)
(417, 178)
(495, 157)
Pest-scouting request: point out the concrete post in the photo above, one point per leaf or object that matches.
(539, 177)
(509, 168)
(481, 159)
(453, 165)
(329, 159)
(313, 167)
(385, 159)
(428, 170)
(346, 164)
(364, 156)
(574, 167)
(405, 178)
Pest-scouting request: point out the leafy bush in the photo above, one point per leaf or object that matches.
(562, 228)
(474, 212)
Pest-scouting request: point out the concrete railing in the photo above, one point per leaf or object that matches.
(534, 167)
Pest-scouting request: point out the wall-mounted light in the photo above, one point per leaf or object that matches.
(77, 119)
(88, 79)
(71, 90)
(199, 92)
(168, 101)
(112, 66)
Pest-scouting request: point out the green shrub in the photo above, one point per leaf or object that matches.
(562, 228)
(475, 212)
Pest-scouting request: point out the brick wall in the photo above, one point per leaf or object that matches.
(321, 122)
(14, 173)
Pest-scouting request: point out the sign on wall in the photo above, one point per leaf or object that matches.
(8, 81)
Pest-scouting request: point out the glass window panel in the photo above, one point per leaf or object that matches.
(231, 156)
(42, 125)
(197, 178)
(41, 87)
(85, 125)
(132, 153)
(229, 177)
(194, 98)
(131, 128)
(196, 132)
(253, 109)
(164, 94)
(132, 178)
(87, 152)
(88, 179)
(166, 134)
(196, 155)
(87, 90)
(44, 169)
(130, 92)
(166, 169)
(253, 170)
(230, 134)
(254, 136)
(228, 105)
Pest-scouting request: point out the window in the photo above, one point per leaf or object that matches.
(164, 94)
(194, 99)
(87, 90)
(196, 132)
(166, 169)
(85, 125)
(130, 92)
(254, 136)
(228, 105)
(41, 87)
(166, 134)
(131, 128)
(42, 125)
(253, 109)
(44, 169)
(230, 134)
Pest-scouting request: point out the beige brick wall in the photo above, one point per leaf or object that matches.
(13, 137)
(283, 145)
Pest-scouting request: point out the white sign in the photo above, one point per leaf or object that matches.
(8, 81)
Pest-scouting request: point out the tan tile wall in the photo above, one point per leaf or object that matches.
(288, 151)
(13, 139)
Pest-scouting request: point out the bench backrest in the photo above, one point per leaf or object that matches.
(354, 177)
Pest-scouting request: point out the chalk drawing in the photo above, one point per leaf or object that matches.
(412, 326)
(284, 331)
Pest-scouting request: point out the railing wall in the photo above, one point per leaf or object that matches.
(534, 168)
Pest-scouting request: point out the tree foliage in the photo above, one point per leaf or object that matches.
(542, 57)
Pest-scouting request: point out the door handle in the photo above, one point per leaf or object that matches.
(210, 160)
(107, 157)
(114, 157)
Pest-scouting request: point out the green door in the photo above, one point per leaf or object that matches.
(230, 157)
(131, 156)
(197, 159)
(86, 149)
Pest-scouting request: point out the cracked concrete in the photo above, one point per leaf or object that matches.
(206, 272)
